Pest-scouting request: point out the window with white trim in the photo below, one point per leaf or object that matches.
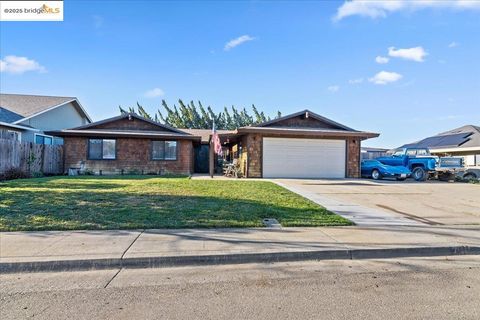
(43, 139)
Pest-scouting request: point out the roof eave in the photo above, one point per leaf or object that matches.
(360, 134)
(137, 135)
(17, 126)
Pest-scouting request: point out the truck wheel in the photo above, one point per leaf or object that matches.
(419, 174)
(376, 174)
(470, 176)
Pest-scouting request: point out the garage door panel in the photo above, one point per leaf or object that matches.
(303, 158)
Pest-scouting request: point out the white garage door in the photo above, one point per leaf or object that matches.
(303, 158)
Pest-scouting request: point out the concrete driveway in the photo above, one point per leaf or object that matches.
(431, 202)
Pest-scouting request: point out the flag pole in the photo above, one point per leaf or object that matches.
(211, 157)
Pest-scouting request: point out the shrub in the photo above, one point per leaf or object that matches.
(37, 174)
(13, 173)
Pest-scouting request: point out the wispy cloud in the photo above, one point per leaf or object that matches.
(155, 92)
(453, 44)
(333, 89)
(20, 65)
(382, 8)
(97, 21)
(415, 54)
(237, 41)
(385, 77)
(381, 60)
(355, 81)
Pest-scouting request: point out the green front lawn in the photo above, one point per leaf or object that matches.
(136, 202)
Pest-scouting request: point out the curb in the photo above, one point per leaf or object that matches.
(177, 261)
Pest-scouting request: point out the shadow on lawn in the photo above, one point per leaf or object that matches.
(77, 182)
(35, 211)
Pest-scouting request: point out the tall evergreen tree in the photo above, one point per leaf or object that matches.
(193, 117)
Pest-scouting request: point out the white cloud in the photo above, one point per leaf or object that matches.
(334, 88)
(155, 92)
(237, 41)
(381, 8)
(416, 54)
(382, 60)
(19, 65)
(355, 81)
(385, 77)
(453, 44)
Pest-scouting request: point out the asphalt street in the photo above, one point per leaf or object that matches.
(414, 288)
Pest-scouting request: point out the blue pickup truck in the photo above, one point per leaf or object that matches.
(424, 165)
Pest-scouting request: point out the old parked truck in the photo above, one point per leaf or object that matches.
(424, 165)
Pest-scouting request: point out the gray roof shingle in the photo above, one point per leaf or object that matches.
(28, 105)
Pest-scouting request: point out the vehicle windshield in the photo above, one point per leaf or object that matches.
(398, 152)
(371, 162)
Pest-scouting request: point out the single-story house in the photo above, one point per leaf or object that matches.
(463, 141)
(27, 117)
(300, 145)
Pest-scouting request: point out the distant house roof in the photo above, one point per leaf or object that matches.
(464, 137)
(27, 106)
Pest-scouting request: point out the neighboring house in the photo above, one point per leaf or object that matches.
(463, 141)
(300, 145)
(372, 153)
(27, 117)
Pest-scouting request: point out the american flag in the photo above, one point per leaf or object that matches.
(217, 146)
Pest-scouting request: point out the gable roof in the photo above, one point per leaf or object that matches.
(308, 114)
(334, 129)
(28, 106)
(125, 116)
(91, 130)
(467, 136)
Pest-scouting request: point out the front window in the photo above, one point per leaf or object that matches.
(42, 139)
(164, 150)
(101, 149)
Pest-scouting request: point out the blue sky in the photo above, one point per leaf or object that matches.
(285, 56)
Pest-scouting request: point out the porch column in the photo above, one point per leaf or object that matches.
(211, 158)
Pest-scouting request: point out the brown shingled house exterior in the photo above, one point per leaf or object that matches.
(128, 144)
(300, 145)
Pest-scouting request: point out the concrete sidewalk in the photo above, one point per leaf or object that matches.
(35, 251)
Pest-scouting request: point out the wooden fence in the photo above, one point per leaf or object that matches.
(30, 157)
